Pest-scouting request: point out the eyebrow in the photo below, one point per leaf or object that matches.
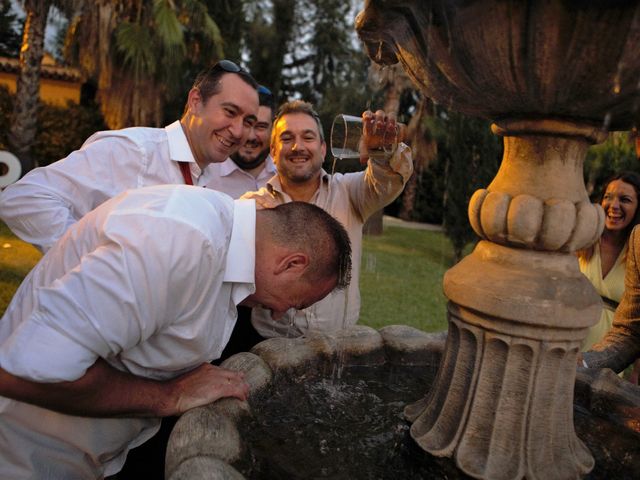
(304, 132)
(237, 107)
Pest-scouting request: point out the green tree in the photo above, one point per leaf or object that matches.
(22, 130)
(472, 158)
(614, 155)
(137, 50)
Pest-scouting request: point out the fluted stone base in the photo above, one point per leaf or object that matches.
(502, 403)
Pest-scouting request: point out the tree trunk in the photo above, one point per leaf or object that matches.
(24, 118)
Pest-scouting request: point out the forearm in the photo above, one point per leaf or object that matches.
(107, 392)
(619, 349)
(102, 392)
(384, 180)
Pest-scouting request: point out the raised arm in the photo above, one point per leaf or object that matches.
(385, 176)
(106, 392)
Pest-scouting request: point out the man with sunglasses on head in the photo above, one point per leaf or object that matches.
(251, 166)
(219, 114)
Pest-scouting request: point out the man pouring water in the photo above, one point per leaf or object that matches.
(298, 149)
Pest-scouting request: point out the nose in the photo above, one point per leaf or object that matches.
(238, 129)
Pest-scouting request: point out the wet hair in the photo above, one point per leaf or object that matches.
(631, 178)
(298, 106)
(310, 229)
(208, 81)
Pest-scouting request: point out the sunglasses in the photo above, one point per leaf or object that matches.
(264, 90)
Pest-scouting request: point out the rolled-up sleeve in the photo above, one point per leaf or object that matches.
(384, 180)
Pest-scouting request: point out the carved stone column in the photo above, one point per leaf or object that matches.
(519, 308)
(554, 76)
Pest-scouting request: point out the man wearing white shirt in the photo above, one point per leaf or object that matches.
(115, 326)
(219, 114)
(251, 166)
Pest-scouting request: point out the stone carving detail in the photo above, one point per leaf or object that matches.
(509, 379)
(529, 222)
(523, 65)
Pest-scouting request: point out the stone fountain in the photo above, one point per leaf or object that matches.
(554, 76)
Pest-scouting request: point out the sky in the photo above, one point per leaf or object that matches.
(52, 25)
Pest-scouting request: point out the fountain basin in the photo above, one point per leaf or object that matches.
(210, 442)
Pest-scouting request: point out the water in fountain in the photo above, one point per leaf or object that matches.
(312, 427)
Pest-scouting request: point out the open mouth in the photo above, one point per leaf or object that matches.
(615, 218)
(298, 159)
(225, 142)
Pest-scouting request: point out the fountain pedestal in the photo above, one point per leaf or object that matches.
(519, 306)
(519, 309)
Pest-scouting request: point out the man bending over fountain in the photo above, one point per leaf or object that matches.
(621, 346)
(116, 325)
(298, 149)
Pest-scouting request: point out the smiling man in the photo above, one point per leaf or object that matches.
(219, 115)
(298, 149)
(116, 325)
(251, 166)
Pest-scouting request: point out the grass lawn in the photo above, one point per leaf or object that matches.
(401, 278)
(16, 259)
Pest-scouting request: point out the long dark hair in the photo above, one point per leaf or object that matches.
(631, 178)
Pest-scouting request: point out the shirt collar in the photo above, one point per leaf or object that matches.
(274, 185)
(241, 257)
(229, 166)
(179, 149)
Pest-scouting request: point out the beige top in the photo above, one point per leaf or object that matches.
(610, 287)
(351, 198)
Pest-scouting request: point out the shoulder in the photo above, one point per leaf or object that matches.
(134, 136)
(186, 207)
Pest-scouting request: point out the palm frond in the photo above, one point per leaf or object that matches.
(134, 43)
(196, 17)
(167, 24)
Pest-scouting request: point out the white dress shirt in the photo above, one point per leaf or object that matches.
(42, 205)
(229, 178)
(149, 281)
(351, 198)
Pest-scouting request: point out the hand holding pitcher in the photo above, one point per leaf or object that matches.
(372, 135)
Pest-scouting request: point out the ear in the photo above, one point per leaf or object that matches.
(194, 100)
(324, 149)
(293, 263)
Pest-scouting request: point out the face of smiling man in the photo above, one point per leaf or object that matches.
(216, 128)
(297, 149)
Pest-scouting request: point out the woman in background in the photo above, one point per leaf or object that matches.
(604, 262)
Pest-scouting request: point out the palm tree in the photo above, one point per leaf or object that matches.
(23, 120)
(136, 51)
